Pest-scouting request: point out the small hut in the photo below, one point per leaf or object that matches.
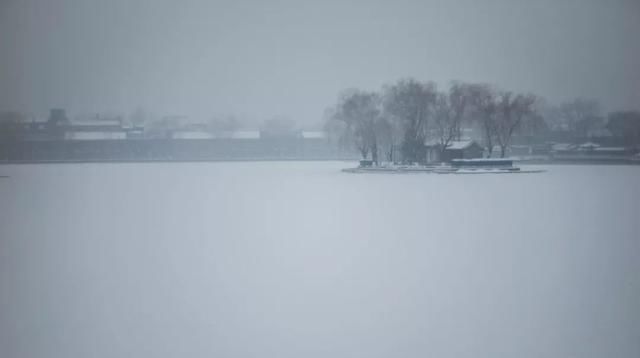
(462, 149)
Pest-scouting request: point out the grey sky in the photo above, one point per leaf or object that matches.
(265, 58)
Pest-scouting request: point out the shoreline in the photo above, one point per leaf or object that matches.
(143, 161)
(621, 161)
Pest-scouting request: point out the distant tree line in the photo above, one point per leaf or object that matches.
(397, 121)
(405, 114)
(10, 125)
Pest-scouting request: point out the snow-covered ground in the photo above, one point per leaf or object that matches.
(296, 259)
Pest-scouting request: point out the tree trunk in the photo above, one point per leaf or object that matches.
(364, 153)
(489, 150)
(488, 139)
(442, 150)
(374, 154)
(503, 149)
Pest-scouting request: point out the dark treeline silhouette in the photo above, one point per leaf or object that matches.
(404, 122)
(397, 122)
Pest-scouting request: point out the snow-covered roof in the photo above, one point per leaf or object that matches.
(460, 144)
(95, 135)
(313, 134)
(483, 160)
(133, 127)
(245, 135)
(191, 135)
(610, 149)
(589, 145)
(96, 123)
(196, 134)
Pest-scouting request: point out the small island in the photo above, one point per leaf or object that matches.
(456, 166)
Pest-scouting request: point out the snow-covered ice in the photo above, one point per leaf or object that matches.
(297, 259)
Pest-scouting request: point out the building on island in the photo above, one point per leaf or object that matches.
(461, 149)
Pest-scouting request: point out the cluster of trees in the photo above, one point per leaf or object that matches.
(10, 125)
(625, 125)
(406, 114)
(582, 119)
(578, 118)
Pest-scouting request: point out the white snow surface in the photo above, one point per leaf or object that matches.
(297, 259)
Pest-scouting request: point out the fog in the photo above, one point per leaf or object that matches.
(297, 259)
(121, 236)
(262, 59)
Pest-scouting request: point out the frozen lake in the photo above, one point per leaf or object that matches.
(296, 259)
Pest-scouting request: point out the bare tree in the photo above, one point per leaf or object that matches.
(625, 125)
(485, 109)
(389, 134)
(336, 129)
(360, 112)
(449, 111)
(580, 115)
(534, 126)
(411, 103)
(511, 112)
(586, 126)
(11, 125)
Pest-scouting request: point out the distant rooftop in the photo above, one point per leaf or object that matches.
(191, 135)
(245, 135)
(456, 144)
(589, 145)
(460, 144)
(96, 122)
(95, 135)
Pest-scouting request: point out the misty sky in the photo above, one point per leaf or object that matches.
(259, 59)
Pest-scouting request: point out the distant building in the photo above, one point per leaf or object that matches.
(462, 149)
(35, 130)
(245, 135)
(134, 132)
(563, 147)
(57, 123)
(96, 125)
(541, 149)
(588, 146)
(191, 134)
(95, 129)
(613, 151)
(58, 117)
(201, 134)
(96, 135)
